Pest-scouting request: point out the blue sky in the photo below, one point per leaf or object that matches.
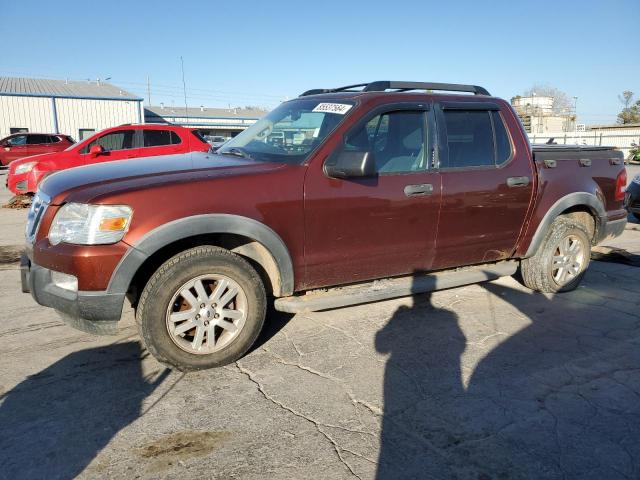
(257, 53)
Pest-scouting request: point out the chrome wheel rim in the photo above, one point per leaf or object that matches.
(206, 314)
(568, 259)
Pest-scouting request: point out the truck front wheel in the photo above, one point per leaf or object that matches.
(561, 261)
(202, 308)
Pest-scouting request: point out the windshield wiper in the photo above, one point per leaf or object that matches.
(238, 152)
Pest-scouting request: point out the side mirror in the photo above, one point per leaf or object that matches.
(96, 150)
(350, 165)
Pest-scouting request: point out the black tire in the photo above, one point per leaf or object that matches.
(151, 312)
(537, 271)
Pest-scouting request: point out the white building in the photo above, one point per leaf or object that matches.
(69, 107)
(538, 116)
(226, 122)
(533, 105)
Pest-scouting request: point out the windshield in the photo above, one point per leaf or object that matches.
(290, 132)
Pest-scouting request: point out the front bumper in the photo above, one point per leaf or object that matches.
(18, 184)
(94, 312)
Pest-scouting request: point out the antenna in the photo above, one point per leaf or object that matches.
(184, 89)
(148, 90)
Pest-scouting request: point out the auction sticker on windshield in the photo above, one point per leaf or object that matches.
(339, 108)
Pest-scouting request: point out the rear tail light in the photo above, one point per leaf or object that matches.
(621, 184)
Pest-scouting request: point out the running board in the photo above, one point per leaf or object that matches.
(317, 300)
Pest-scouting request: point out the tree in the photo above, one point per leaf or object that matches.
(561, 101)
(626, 98)
(631, 111)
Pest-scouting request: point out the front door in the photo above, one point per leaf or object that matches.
(38, 144)
(117, 145)
(359, 229)
(16, 148)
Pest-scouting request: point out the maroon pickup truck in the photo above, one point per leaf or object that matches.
(312, 206)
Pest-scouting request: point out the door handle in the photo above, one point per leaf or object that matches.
(517, 181)
(421, 189)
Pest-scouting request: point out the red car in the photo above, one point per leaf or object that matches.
(21, 145)
(117, 143)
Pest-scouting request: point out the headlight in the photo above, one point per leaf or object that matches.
(636, 179)
(25, 167)
(85, 224)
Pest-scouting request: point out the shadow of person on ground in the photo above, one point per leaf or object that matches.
(556, 399)
(53, 424)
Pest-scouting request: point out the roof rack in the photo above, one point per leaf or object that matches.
(384, 85)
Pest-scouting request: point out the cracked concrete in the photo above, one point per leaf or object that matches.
(482, 382)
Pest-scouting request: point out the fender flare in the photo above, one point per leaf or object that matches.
(575, 199)
(187, 227)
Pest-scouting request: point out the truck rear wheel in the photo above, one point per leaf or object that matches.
(561, 261)
(202, 308)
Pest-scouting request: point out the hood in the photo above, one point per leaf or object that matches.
(144, 172)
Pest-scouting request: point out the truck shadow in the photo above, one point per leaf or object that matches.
(556, 399)
(55, 422)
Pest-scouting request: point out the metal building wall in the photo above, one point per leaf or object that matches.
(74, 114)
(37, 114)
(33, 113)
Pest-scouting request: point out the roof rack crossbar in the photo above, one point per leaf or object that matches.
(383, 85)
(347, 88)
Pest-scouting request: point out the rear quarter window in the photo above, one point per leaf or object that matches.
(503, 143)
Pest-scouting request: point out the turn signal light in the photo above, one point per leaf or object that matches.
(113, 224)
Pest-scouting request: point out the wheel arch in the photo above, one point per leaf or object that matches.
(242, 235)
(575, 204)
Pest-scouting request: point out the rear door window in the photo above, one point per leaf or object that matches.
(159, 138)
(469, 138)
(37, 139)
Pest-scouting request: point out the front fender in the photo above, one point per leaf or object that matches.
(187, 227)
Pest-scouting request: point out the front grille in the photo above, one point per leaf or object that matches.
(21, 185)
(36, 212)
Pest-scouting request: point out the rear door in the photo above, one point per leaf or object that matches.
(364, 228)
(117, 145)
(160, 142)
(37, 144)
(487, 184)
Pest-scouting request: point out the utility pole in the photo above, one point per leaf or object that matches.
(148, 91)
(184, 89)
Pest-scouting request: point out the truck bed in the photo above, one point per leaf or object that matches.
(542, 152)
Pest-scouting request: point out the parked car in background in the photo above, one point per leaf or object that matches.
(117, 143)
(20, 145)
(632, 197)
(216, 141)
(380, 183)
